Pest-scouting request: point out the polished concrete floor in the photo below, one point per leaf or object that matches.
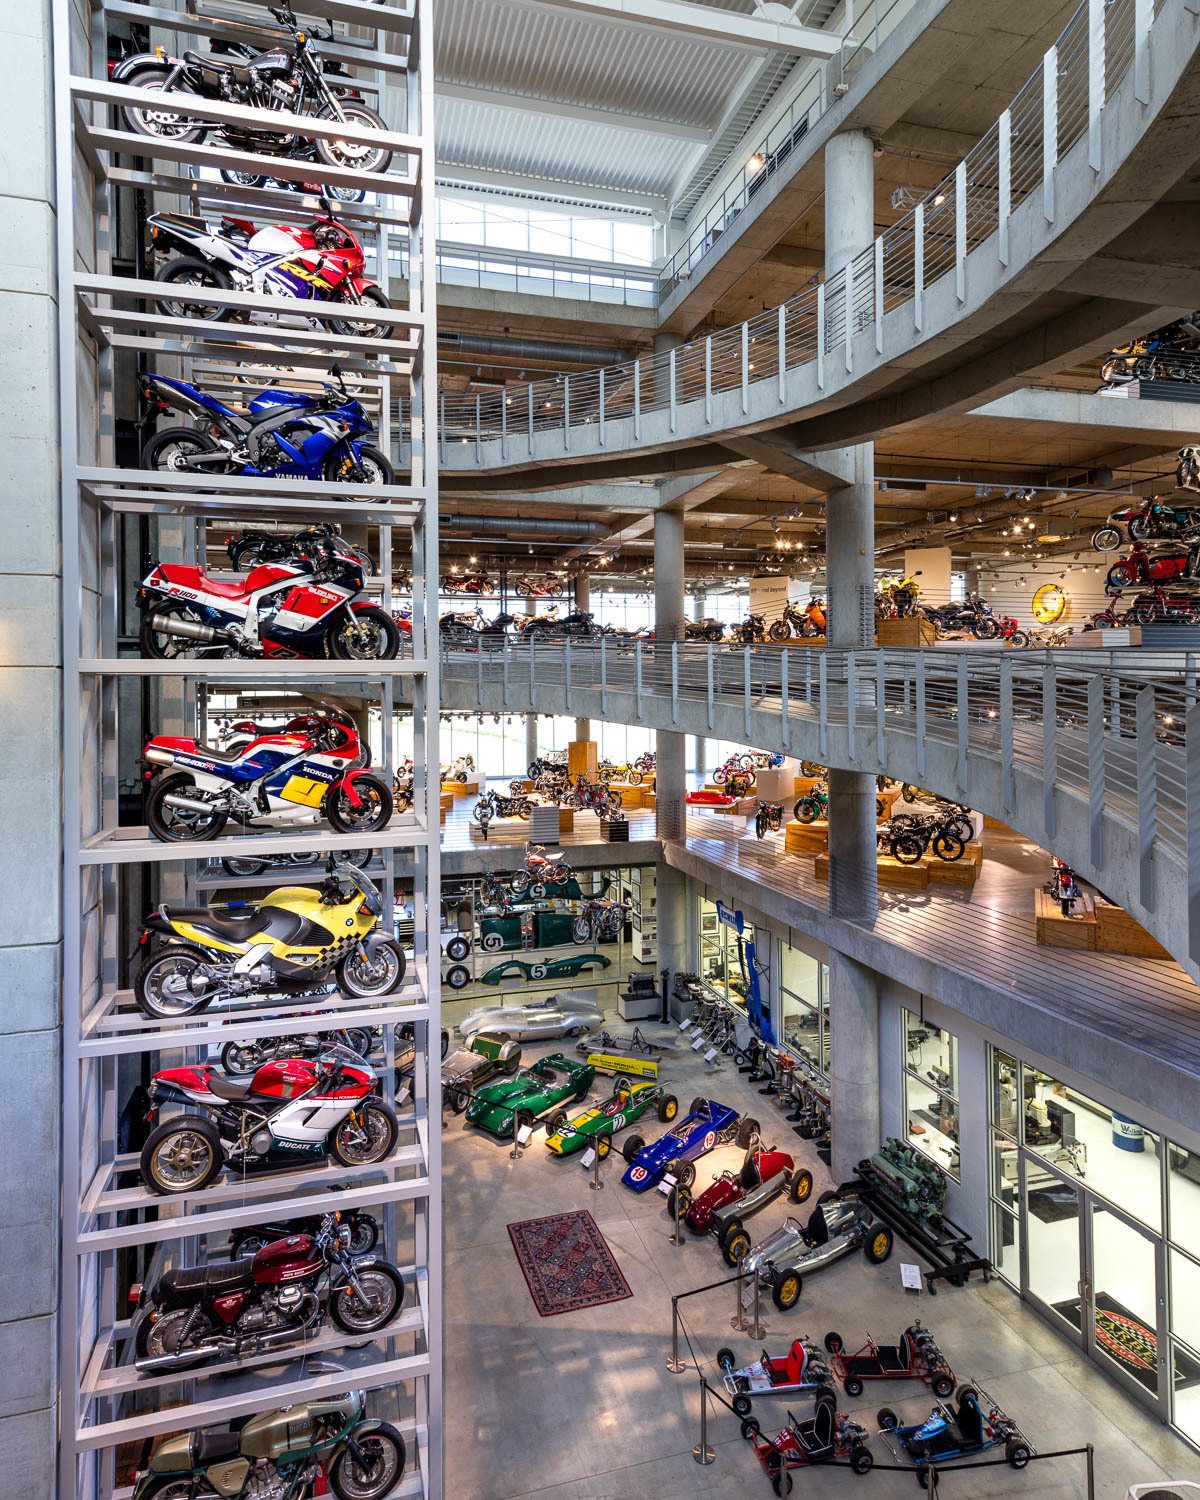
(581, 1407)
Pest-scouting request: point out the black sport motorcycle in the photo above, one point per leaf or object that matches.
(495, 805)
(279, 1296)
(288, 78)
(248, 549)
(972, 616)
(708, 629)
(749, 632)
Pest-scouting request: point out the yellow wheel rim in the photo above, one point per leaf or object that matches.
(879, 1244)
(671, 1110)
(788, 1291)
(603, 1147)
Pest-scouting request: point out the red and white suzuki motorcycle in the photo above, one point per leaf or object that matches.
(312, 604)
(311, 771)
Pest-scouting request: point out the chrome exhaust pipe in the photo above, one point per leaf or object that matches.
(189, 804)
(191, 630)
(184, 1359)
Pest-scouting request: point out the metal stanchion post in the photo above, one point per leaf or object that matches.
(702, 1453)
(515, 1153)
(736, 1322)
(676, 1237)
(1091, 1472)
(755, 1330)
(596, 1185)
(674, 1364)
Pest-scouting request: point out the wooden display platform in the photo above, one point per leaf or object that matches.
(913, 630)
(964, 871)
(743, 807)
(888, 797)
(802, 785)
(468, 788)
(566, 820)
(649, 799)
(631, 796)
(806, 838)
(1077, 931)
(1118, 932)
(583, 756)
(995, 824)
(891, 873)
(523, 784)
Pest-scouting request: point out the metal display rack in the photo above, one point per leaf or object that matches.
(107, 179)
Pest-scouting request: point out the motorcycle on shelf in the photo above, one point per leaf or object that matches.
(289, 78)
(543, 873)
(599, 921)
(468, 583)
(280, 435)
(538, 588)
(318, 263)
(277, 781)
(309, 605)
(248, 1056)
(279, 1296)
(296, 941)
(1151, 521)
(1144, 567)
(1167, 353)
(795, 621)
(249, 549)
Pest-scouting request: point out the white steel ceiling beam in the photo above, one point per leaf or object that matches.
(726, 27)
(590, 114)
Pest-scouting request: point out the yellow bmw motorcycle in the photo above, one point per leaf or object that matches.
(299, 940)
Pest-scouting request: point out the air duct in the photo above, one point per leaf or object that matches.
(530, 350)
(527, 526)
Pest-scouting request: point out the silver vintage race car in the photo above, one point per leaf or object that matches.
(837, 1227)
(474, 1064)
(559, 1015)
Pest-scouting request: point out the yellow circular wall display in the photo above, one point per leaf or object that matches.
(1050, 603)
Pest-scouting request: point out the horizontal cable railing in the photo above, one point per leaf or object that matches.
(1061, 104)
(1113, 735)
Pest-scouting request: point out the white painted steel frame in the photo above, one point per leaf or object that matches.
(93, 495)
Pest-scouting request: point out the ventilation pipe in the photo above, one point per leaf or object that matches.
(527, 526)
(530, 350)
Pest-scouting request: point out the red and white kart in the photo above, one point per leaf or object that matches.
(801, 1371)
(916, 1357)
(733, 1196)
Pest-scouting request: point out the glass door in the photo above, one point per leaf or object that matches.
(1126, 1332)
(1052, 1235)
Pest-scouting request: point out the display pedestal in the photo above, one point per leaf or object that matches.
(774, 784)
(1118, 932)
(631, 796)
(1077, 931)
(915, 630)
(638, 1007)
(544, 825)
(583, 757)
(806, 838)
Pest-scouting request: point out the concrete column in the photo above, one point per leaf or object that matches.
(660, 385)
(530, 719)
(671, 906)
(31, 791)
(671, 783)
(849, 197)
(583, 601)
(853, 1063)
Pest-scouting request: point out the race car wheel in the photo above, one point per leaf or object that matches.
(886, 1418)
(458, 947)
(684, 1173)
(679, 1199)
(860, 1459)
(834, 1343)
(457, 1100)
(725, 1360)
(668, 1108)
(750, 1428)
(735, 1247)
(741, 1406)
(1015, 1451)
(852, 1385)
(631, 1146)
(786, 1291)
(557, 1119)
(801, 1185)
(603, 1146)
(458, 976)
(930, 1487)
(942, 1386)
(748, 1128)
(879, 1244)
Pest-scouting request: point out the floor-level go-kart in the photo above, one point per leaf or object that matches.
(839, 1225)
(824, 1437)
(801, 1371)
(972, 1425)
(916, 1357)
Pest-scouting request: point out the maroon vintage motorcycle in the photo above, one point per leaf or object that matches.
(279, 1296)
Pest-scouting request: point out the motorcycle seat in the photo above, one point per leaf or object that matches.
(214, 65)
(236, 929)
(229, 1088)
(197, 578)
(225, 1276)
(212, 1447)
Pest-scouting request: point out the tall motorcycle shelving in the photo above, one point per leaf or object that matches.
(108, 325)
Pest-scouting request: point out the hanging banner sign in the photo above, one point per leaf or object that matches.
(730, 918)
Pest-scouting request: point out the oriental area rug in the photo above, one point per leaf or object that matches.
(566, 1263)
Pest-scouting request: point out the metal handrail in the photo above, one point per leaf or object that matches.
(1061, 104)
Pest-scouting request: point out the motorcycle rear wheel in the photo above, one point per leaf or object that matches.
(166, 448)
(372, 636)
(161, 645)
(354, 154)
(182, 1156)
(360, 1145)
(157, 997)
(161, 1335)
(385, 1454)
(143, 121)
(186, 270)
(375, 813)
(380, 975)
(242, 1057)
(373, 467)
(178, 825)
(384, 1287)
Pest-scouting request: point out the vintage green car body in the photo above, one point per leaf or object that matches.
(529, 1094)
(628, 1102)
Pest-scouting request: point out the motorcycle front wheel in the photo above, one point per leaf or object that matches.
(175, 825)
(168, 452)
(378, 974)
(182, 1156)
(162, 986)
(779, 630)
(161, 1335)
(985, 629)
(1106, 538)
(354, 154)
(185, 270)
(371, 636)
(376, 1470)
(372, 467)
(363, 328)
(366, 1136)
(376, 810)
(244, 866)
(384, 1291)
(155, 122)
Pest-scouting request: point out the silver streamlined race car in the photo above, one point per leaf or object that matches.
(839, 1225)
(559, 1015)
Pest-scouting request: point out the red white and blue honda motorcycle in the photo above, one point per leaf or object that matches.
(311, 604)
(277, 781)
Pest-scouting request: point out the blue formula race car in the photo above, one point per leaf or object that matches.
(706, 1125)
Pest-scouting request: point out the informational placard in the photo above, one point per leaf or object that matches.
(524, 1135)
(686, 1024)
(666, 1184)
(588, 1157)
(910, 1277)
(710, 1054)
(403, 1094)
(697, 1044)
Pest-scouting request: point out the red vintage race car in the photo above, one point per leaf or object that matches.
(734, 1196)
(706, 797)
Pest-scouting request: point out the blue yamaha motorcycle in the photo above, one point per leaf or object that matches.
(281, 434)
